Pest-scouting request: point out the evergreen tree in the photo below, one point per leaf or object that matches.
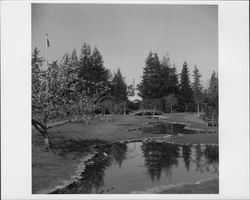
(186, 98)
(213, 86)
(91, 72)
(149, 87)
(119, 87)
(74, 59)
(164, 78)
(173, 81)
(99, 72)
(197, 88)
(213, 101)
(168, 82)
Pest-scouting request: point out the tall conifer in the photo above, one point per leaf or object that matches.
(186, 98)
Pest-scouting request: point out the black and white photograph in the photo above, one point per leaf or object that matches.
(124, 100)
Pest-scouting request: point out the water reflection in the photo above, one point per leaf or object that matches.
(92, 178)
(164, 156)
(168, 128)
(186, 153)
(158, 157)
(123, 168)
(206, 158)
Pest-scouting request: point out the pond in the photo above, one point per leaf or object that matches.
(168, 128)
(139, 167)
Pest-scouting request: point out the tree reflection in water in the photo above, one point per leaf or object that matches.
(186, 153)
(207, 158)
(211, 154)
(168, 128)
(157, 156)
(164, 156)
(160, 156)
(92, 177)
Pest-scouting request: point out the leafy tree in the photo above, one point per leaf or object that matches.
(52, 91)
(69, 82)
(170, 101)
(44, 98)
(38, 95)
(186, 98)
(197, 88)
(36, 64)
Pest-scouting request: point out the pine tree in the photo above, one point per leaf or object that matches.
(91, 72)
(99, 72)
(164, 76)
(149, 87)
(213, 95)
(119, 87)
(186, 98)
(213, 86)
(197, 88)
(173, 81)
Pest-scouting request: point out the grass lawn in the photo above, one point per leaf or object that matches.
(50, 169)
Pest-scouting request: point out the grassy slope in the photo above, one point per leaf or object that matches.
(117, 129)
(48, 169)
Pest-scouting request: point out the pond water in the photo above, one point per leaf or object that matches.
(168, 128)
(138, 167)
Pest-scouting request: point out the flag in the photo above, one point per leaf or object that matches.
(48, 45)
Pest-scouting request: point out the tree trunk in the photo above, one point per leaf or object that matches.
(171, 125)
(198, 109)
(154, 113)
(43, 130)
(124, 109)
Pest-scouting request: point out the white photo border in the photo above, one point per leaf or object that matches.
(16, 182)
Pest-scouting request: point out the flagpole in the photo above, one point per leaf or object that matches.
(47, 76)
(46, 51)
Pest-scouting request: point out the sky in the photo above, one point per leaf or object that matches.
(126, 33)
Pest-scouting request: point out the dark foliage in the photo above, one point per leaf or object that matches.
(186, 98)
